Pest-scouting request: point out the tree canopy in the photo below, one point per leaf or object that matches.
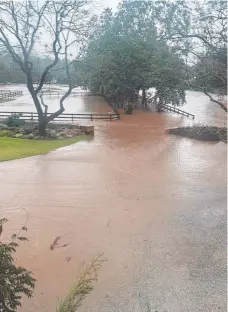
(199, 31)
(125, 54)
(167, 45)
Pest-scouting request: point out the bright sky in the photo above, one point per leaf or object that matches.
(110, 3)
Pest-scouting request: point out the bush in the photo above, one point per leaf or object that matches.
(5, 133)
(14, 120)
(15, 281)
(128, 109)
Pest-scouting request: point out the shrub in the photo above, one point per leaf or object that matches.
(5, 133)
(128, 109)
(15, 281)
(14, 120)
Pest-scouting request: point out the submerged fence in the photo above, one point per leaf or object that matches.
(64, 117)
(9, 95)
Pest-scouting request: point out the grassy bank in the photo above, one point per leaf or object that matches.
(203, 133)
(11, 148)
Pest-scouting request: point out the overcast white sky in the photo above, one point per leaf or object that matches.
(109, 3)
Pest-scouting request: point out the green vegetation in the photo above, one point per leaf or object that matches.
(198, 32)
(82, 286)
(14, 120)
(168, 45)
(15, 281)
(11, 148)
(125, 55)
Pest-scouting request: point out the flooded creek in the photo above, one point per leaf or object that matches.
(154, 204)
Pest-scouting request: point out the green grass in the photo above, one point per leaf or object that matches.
(11, 148)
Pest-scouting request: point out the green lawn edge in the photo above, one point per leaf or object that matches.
(12, 148)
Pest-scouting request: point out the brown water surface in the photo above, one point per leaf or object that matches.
(154, 204)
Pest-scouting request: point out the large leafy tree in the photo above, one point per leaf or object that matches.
(126, 55)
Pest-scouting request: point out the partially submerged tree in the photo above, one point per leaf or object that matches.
(126, 55)
(198, 30)
(55, 28)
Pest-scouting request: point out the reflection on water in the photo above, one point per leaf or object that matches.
(153, 203)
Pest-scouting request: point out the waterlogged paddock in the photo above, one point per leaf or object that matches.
(155, 204)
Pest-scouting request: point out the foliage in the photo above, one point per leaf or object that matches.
(5, 133)
(198, 31)
(82, 286)
(14, 120)
(128, 109)
(15, 281)
(125, 55)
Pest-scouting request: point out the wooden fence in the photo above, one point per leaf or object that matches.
(8, 94)
(177, 111)
(61, 93)
(64, 117)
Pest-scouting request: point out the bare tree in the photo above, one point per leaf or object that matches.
(198, 29)
(55, 28)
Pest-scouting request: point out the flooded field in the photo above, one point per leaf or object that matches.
(78, 102)
(154, 204)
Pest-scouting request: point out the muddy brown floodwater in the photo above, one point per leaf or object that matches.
(154, 204)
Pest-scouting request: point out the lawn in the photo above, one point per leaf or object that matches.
(11, 148)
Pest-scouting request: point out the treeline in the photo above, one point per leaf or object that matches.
(126, 53)
(168, 45)
(171, 46)
(10, 72)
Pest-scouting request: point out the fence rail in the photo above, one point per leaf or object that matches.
(61, 93)
(64, 117)
(8, 94)
(177, 110)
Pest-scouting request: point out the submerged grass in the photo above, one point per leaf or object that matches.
(11, 148)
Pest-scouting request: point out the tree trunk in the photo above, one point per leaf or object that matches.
(159, 105)
(144, 102)
(41, 117)
(42, 127)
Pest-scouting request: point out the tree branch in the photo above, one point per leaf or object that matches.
(223, 106)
